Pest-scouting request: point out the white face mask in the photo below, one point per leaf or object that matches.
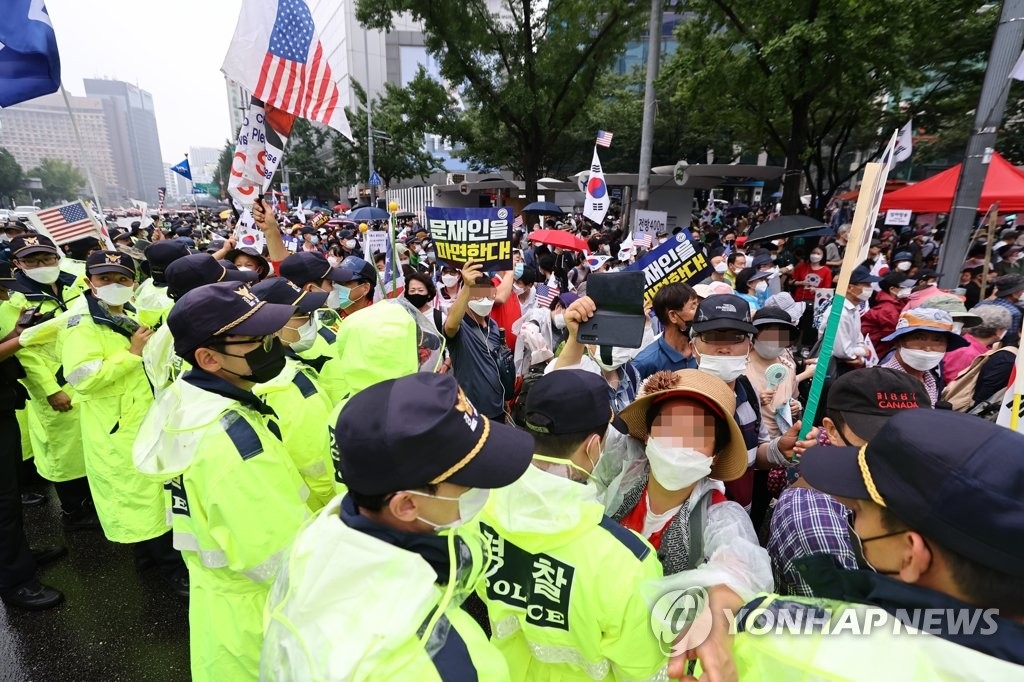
(768, 351)
(674, 467)
(903, 266)
(115, 294)
(244, 268)
(449, 280)
(815, 257)
(350, 244)
(721, 268)
(44, 275)
(725, 367)
(471, 503)
(559, 321)
(904, 293)
(518, 289)
(620, 356)
(307, 337)
(761, 286)
(334, 261)
(481, 306)
(865, 294)
(921, 360)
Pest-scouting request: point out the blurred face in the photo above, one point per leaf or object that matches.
(722, 342)
(776, 336)
(685, 423)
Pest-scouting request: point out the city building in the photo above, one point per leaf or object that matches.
(238, 104)
(203, 163)
(42, 129)
(134, 138)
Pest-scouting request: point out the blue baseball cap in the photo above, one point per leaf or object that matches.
(185, 274)
(280, 290)
(309, 267)
(953, 477)
(221, 309)
(862, 275)
(389, 434)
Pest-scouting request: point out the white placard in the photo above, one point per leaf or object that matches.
(898, 216)
(650, 222)
(376, 242)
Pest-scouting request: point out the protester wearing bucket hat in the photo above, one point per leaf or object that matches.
(937, 527)
(420, 462)
(922, 338)
(210, 428)
(551, 515)
(772, 370)
(248, 258)
(674, 497)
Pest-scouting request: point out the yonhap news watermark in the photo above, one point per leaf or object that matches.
(682, 619)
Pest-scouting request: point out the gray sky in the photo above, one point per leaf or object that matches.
(171, 49)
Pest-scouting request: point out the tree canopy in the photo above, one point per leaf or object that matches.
(528, 73)
(61, 181)
(11, 175)
(814, 81)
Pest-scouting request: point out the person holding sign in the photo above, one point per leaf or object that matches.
(475, 342)
(849, 349)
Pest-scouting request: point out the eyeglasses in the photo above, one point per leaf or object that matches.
(267, 342)
(38, 261)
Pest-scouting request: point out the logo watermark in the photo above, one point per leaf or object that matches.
(681, 620)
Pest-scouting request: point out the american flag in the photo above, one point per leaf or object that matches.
(604, 138)
(545, 295)
(517, 223)
(294, 77)
(161, 192)
(643, 241)
(67, 223)
(393, 288)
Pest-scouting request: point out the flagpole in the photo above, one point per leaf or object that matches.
(192, 189)
(81, 149)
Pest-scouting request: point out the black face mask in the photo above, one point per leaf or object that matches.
(264, 364)
(418, 300)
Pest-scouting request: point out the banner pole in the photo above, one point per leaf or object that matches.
(81, 149)
(993, 213)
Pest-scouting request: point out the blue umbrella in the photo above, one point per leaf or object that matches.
(543, 208)
(368, 213)
(738, 208)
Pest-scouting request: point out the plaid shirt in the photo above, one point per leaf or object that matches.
(806, 522)
(931, 386)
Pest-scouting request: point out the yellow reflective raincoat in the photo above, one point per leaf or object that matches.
(113, 396)
(152, 303)
(237, 502)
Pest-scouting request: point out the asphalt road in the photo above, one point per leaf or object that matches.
(115, 624)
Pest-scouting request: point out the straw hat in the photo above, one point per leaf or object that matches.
(731, 461)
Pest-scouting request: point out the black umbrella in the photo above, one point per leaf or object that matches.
(543, 208)
(784, 226)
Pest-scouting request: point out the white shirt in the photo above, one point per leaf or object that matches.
(849, 343)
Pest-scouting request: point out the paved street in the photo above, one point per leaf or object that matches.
(114, 625)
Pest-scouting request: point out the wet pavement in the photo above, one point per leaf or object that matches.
(115, 624)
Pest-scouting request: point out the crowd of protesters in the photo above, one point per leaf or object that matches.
(362, 465)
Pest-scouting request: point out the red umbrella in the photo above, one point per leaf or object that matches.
(565, 240)
(341, 208)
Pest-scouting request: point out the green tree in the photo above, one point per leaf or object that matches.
(222, 174)
(311, 172)
(813, 82)
(402, 117)
(10, 175)
(61, 181)
(528, 72)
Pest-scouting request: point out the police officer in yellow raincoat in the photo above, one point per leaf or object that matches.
(101, 352)
(237, 500)
(40, 284)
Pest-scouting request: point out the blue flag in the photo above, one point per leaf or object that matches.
(29, 62)
(183, 169)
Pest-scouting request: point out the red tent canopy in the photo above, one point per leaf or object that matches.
(1003, 183)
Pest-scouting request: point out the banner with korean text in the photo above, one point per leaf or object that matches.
(483, 234)
(680, 259)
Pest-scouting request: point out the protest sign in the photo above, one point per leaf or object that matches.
(857, 245)
(483, 234)
(680, 259)
(650, 222)
(375, 242)
(897, 216)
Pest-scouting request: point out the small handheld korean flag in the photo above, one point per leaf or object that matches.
(596, 206)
